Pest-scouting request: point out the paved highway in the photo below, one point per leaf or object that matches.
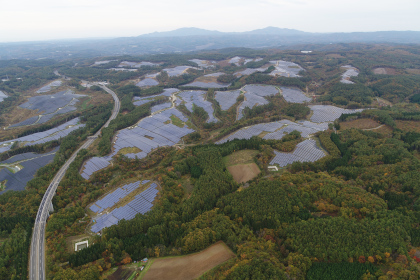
(37, 251)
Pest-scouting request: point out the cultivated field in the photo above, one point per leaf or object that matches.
(190, 266)
(359, 124)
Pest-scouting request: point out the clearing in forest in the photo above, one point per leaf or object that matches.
(408, 125)
(241, 165)
(384, 71)
(359, 124)
(244, 172)
(190, 266)
(240, 157)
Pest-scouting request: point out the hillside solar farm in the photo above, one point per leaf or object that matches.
(56, 133)
(140, 204)
(268, 163)
(350, 72)
(18, 170)
(49, 106)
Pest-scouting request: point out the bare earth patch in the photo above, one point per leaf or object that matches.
(208, 79)
(244, 172)
(74, 239)
(384, 71)
(334, 55)
(190, 266)
(130, 150)
(359, 124)
(414, 71)
(240, 157)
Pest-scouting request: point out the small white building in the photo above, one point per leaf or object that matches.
(81, 245)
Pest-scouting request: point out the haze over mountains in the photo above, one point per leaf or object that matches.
(194, 39)
(193, 31)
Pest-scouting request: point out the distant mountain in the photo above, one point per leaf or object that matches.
(194, 39)
(192, 31)
(275, 31)
(185, 31)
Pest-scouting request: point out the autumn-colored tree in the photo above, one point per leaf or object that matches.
(127, 260)
(362, 259)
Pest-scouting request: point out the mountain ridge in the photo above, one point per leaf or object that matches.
(194, 31)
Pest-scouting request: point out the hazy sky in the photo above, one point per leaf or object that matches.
(25, 20)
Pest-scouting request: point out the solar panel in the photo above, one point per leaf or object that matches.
(285, 68)
(142, 203)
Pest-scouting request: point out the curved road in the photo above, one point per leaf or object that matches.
(37, 251)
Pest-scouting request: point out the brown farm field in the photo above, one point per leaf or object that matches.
(359, 124)
(190, 266)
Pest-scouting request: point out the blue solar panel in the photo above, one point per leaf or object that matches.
(142, 203)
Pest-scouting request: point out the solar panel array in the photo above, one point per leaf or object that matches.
(206, 85)
(49, 106)
(254, 95)
(178, 70)
(214, 74)
(227, 98)
(48, 87)
(17, 181)
(276, 130)
(94, 164)
(144, 99)
(328, 113)
(142, 204)
(252, 59)
(249, 71)
(150, 133)
(148, 82)
(294, 95)
(203, 63)
(102, 62)
(261, 90)
(136, 64)
(45, 136)
(285, 68)
(154, 75)
(160, 107)
(351, 72)
(236, 60)
(2, 96)
(306, 151)
(197, 97)
(123, 69)
(114, 197)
